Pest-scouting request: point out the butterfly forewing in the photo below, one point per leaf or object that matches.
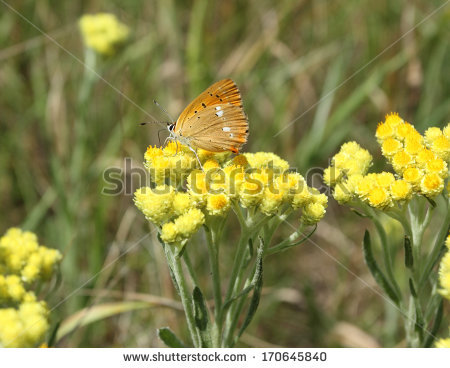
(217, 128)
(222, 92)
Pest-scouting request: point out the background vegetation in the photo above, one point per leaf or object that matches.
(313, 74)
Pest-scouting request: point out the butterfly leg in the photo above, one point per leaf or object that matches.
(195, 153)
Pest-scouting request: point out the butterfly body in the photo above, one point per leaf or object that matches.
(215, 121)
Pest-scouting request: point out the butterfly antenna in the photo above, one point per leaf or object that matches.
(163, 110)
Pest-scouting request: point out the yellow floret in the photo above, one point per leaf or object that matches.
(401, 190)
(431, 185)
(313, 213)
(181, 203)
(431, 134)
(379, 197)
(271, 201)
(441, 147)
(217, 204)
(384, 179)
(401, 160)
(390, 147)
(155, 204)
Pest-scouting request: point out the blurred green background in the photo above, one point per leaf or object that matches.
(313, 74)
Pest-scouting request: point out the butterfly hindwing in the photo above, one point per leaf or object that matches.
(217, 128)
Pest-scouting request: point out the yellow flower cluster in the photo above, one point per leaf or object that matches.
(258, 181)
(23, 319)
(420, 166)
(103, 32)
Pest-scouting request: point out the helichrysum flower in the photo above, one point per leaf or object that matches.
(420, 165)
(21, 254)
(155, 203)
(23, 319)
(103, 32)
(183, 196)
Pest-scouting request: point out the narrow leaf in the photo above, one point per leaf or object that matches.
(201, 317)
(412, 289)
(96, 313)
(169, 338)
(376, 271)
(258, 282)
(409, 259)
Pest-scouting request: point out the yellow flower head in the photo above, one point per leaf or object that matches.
(217, 204)
(431, 185)
(313, 213)
(271, 201)
(379, 197)
(332, 175)
(446, 131)
(431, 134)
(384, 131)
(384, 179)
(251, 190)
(441, 147)
(183, 227)
(437, 166)
(181, 203)
(401, 160)
(401, 190)
(266, 159)
(413, 176)
(390, 147)
(423, 156)
(413, 145)
(342, 194)
(103, 32)
(155, 204)
(447, 242)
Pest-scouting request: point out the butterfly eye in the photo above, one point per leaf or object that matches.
(171, 127)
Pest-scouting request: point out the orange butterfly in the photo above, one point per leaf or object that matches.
(215, 121)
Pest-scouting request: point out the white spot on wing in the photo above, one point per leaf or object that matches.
(218, 108)
(219, 113)
(226, 129)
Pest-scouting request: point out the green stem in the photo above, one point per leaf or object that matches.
(186, 299)
(386, 254)
(435, 252)
(213, 252)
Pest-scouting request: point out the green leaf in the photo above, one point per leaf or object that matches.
(96, 313)
(258, 282)
(412, 289)
(52, 338)
(409, 259)
(436, 325)
(376, 271)
(169, 338)
(201, 317)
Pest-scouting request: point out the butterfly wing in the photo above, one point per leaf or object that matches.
(221, 92)
(217, 128)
